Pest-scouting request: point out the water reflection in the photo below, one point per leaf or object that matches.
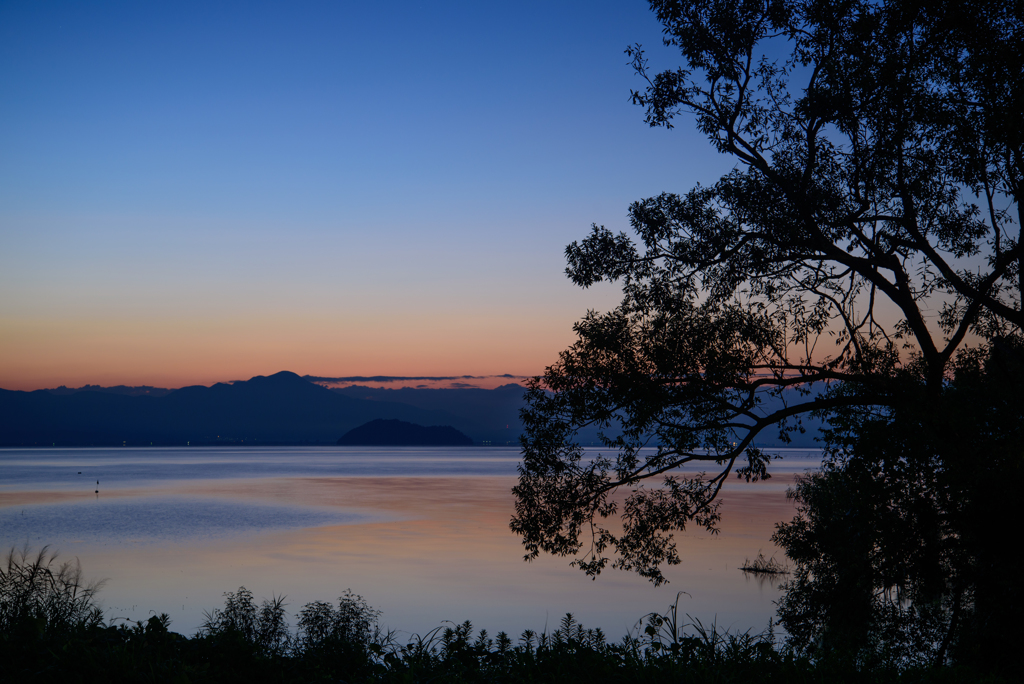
(155, 519)
(419, 542)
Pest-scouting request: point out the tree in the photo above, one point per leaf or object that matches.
(900, 542)
(878, 175)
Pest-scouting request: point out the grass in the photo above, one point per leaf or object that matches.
(764, 566)
(35, 589)
(52, 630)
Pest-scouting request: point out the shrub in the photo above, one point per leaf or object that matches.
(353, 622)
(265, 628)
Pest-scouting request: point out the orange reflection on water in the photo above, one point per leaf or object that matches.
(439, 549)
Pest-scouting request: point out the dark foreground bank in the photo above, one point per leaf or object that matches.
(51, 630)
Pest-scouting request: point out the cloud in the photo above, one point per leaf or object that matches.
(418, 381)
(409, 378)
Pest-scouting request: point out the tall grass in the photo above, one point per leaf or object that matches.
(764, 566)
(52, 630)
(38, 592)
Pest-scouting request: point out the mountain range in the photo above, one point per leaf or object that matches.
(282, 408)
(279, 409)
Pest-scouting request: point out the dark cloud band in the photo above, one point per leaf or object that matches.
(409, 378)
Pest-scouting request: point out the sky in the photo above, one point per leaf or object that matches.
(202, 192)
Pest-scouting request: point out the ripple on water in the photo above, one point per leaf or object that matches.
(159, 519)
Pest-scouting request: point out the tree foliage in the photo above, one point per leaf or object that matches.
(865, 244)
(900, 543)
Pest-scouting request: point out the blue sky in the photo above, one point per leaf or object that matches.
(193, 192)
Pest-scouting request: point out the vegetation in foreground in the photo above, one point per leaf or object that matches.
(51, 629)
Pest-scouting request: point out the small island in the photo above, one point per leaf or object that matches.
(382, 432)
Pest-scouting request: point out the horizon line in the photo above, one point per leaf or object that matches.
(316, 379)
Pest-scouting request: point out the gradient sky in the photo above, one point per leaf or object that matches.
(201, 192)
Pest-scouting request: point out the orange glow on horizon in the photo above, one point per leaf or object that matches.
(177, 353)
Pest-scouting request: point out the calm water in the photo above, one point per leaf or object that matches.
(421, 533)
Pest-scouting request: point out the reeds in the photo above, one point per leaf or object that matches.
(248, 642)
(38, 591)
(764, 566)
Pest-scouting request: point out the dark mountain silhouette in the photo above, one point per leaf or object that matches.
(490, 415)
(137, 390)
(383, 432)
(277, 409)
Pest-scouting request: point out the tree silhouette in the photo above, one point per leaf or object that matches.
(862, 247)
(900, 544)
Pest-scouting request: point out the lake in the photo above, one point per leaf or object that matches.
(421, 533)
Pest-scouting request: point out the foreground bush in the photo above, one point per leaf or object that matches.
(44, 596)
(52, 630)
